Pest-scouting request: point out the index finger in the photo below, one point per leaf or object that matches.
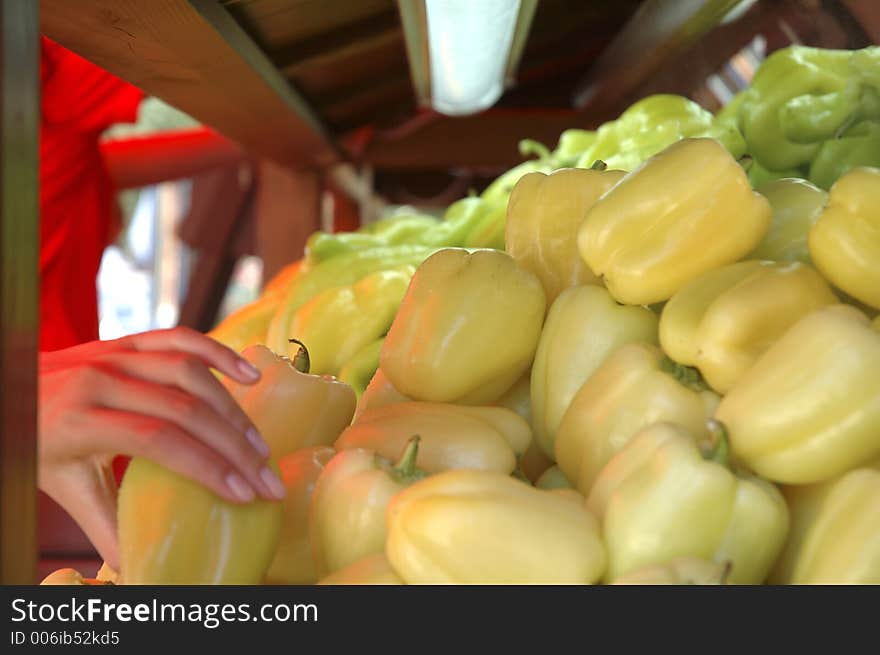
(190, 341)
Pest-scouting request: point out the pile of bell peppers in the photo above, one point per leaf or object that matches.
(648, 356)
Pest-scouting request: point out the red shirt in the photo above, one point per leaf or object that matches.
(78, 210)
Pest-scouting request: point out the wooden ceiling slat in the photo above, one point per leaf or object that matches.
(193, 55)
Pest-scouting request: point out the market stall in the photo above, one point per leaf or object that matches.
(645, 255)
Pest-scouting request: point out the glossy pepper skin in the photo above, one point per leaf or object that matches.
(292, 564)
(174, 531)
(543, 217)
(347, 512)
(663, 496)
(553, 478)
(360, 369)
(395, 230)
(370, 570)
(808, 409)
(338, 322)
(845, 240)
(804, 504)
(802, 97)
(478, 527)
(650, 125)
(451, 436)
(445, 345)
(839, 533)
(248, 325)
(858, 146)
(796, 205)
(678, 571)
(379, 392)
(335, 272)
(723, 320)
(583, 327)
(685, 211)
(291, 408)
(636, 386)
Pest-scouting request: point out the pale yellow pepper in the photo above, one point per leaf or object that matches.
(664, 496)
(339, 322)
(293, 563)
(685, 211)
(723, 320)
(584, 325)
(451, 436)
(467, 329)
(479, 527)
(841, 543)
(845, 240)
(543, 216)
(553, 478)
(379, 392)
(805, 503)
(636, 386)
(808, 409)
(347, 511)
(370, 570)
(796, 205)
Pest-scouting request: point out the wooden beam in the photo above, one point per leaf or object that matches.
(490, 139)
(19, 289)
(193, 55)
(658, 31)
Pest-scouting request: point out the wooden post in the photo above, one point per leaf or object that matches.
(287, 211)
(19, 289)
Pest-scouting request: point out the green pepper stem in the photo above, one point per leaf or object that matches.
(406, 465)
(598, 165)
(529, 147)
(685, 375)
(718, 448)
(301, 361)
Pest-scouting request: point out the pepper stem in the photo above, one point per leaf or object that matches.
(598, 165)
(686, 375)
(301, 361)
(529, 147)
(718, 447)
(406, 465)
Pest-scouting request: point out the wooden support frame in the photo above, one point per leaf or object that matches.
(194, 55)
(19, 289)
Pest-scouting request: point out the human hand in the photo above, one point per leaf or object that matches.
(148, 395)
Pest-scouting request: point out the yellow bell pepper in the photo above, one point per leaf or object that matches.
(370, 570)
(175, 531)
(291, 408)
(665, 496)
(845, 240)
(723, 320)
(685, 211)
(796, 205)
(467, 329)
(360, 369)
(293, 563)
(553, 478)
(379, 392)
(479, 527)
(679, 571)
(533, 461)
(451, 436)
(347, 512)
(840, 541)
(809, 408)
(636, 386)
(583, 327)
(339, 322)
(543, 217)
(805, 502)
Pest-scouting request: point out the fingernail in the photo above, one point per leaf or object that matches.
(273, 482)
(256, 441)
(248, 370)
(239, 488)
